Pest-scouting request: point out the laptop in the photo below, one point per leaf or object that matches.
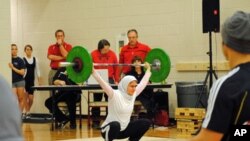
(102, 72)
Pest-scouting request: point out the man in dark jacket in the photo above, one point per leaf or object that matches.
(70, 97)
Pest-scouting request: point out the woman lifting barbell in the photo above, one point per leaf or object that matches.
(120, 106)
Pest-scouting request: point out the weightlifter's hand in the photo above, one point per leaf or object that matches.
(147, 66)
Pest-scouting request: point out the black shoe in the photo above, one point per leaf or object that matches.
(23, 116)
(62, 124)
(27, 116)
(96, 126)
(72, 126)
(142, 115)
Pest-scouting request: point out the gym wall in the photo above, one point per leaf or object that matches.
(174, 25)
(5, 39)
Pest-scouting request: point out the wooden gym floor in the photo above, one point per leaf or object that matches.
(42, 132)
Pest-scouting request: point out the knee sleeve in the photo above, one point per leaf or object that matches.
(111, 131)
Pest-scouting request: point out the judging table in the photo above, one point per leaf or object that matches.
(54, 88)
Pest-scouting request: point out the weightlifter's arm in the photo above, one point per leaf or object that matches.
(141, 86)
(105, 86)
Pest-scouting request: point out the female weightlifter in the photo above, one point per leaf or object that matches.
(120, 106)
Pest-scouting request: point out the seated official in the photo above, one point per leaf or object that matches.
(151, 101)
(146, 96)
(69, 97)
(103, 54)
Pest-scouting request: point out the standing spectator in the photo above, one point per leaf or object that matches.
(57, 53)
(18, 70)
(229, 100)
(103, 54)
(32, 69)
(10, 123)
(132, 49)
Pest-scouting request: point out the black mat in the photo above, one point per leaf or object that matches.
(38, 118)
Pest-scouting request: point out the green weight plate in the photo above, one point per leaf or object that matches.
(85, 64)
(159, 55)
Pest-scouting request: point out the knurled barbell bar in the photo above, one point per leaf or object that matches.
(79, 64)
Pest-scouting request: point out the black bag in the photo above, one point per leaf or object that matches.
(161, 111)
(161, 100)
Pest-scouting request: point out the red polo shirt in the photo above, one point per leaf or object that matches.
(55, 50)
(128, 53)
(109, 57)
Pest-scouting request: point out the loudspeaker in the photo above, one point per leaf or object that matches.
(211, 15)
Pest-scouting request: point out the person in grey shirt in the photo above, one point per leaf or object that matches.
(10, 115)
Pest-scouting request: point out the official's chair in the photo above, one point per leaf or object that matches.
(103, 105)
(63, 106)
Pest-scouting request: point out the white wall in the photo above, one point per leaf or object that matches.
(5, 37)
(174, 25)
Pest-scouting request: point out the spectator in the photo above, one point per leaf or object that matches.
(132, 49)
(18, 70)
(57, 53)
(32, 69)
(229, 100)
(10, 123)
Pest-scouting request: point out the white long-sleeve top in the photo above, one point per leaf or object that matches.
(120, 106)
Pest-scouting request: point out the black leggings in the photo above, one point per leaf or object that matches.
(134, 131)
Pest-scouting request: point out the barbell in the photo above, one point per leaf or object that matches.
(79, 64)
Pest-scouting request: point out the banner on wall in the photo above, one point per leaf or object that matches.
(121, 40)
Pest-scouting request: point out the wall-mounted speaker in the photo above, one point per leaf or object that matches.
(211, 15)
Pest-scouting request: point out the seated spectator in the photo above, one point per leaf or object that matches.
(70, 97)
